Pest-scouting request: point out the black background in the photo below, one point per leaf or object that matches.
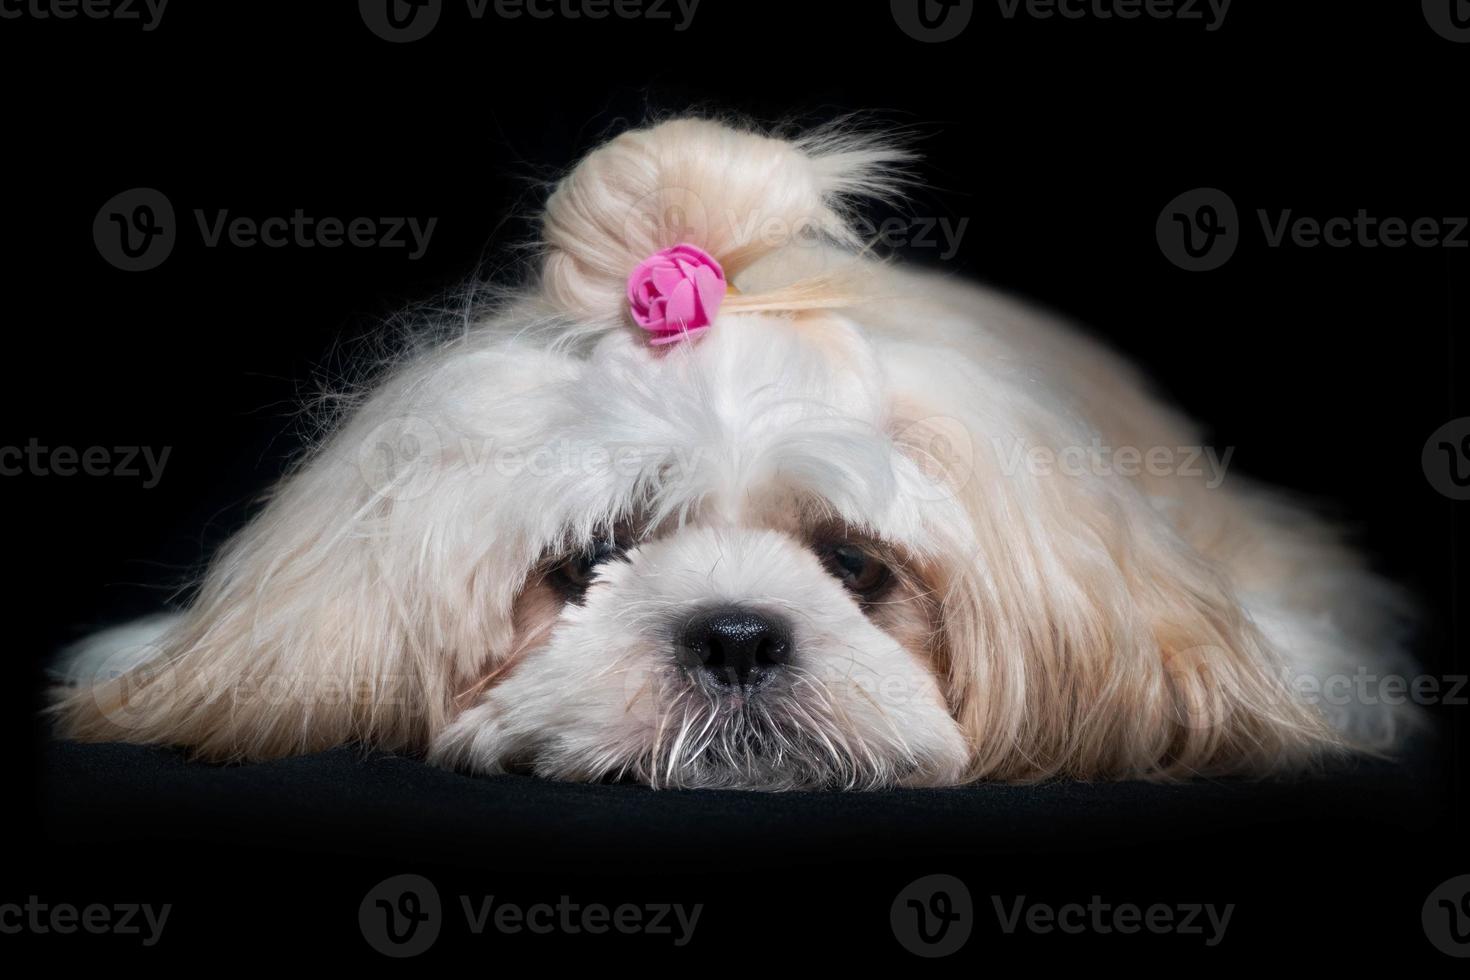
(1059, 140)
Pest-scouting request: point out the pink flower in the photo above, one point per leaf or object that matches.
(676, 293)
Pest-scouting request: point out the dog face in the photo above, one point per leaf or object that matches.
(740, 586)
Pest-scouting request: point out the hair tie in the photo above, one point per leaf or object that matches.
(675, 293)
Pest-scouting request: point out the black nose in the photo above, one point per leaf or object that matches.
(735, 647)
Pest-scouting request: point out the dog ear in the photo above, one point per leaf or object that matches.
(1084, 635)
(376, 582)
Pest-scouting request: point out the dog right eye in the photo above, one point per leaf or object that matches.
(575, 573)
(861, 572)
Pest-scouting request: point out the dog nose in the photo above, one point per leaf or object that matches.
(735, 647)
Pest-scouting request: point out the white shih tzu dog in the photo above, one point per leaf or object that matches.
(719, 499)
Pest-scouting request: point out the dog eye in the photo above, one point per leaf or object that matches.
(862, 574)
(574, 574)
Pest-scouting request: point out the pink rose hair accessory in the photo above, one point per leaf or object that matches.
(675, 293)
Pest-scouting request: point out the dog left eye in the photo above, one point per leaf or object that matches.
(575, 573)
(862, 573)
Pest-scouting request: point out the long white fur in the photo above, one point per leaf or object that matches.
(1095, 625)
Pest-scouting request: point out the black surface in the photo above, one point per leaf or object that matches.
(354, 800)
(271, 860)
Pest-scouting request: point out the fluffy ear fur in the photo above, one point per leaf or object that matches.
(1095, 643)
(1099, 625)
(367, 592)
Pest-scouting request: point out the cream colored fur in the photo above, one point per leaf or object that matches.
(1087, 623)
